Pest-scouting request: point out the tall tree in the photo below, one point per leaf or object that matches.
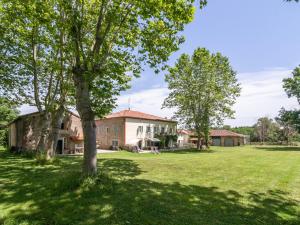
(289, 123)
(292, 85)
(203, 88)
(110, 42)
(34, 61)
(264, 129)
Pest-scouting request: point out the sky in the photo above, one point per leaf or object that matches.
(262, 40)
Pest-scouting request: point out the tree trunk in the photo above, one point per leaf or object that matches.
(206, 138)
(199, 142)
(46, 118)
(57, 119)
(84, 107)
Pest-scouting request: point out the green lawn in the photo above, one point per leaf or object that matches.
(243, 186)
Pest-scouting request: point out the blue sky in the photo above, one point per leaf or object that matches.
(261, 39)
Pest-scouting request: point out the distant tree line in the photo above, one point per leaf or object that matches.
(285, 128)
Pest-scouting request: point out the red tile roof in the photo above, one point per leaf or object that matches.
(224, 133)
(136, 115)
(182, 131)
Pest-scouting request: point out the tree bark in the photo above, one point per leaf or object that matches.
(199, 142)
(84, 108)
(45, 126)
(57, 119)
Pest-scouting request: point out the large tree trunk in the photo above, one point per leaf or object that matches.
(44, 134)
(84, 107)
(57, 119)
(199, 143)
(206, 138)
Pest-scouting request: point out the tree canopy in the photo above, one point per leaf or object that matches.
(292, 85)
(102, 44)
(203, 88)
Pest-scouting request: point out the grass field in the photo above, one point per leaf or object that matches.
(242, 186)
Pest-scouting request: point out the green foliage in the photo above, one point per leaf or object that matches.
(246, 130)
(8, 112)
(165, 139)
(267, 130)
(289, 122)
(203, 89)
(111, 41)
(292, 85)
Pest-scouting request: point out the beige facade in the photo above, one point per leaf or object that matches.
(24, 133)
(122, 131)
(110, 132)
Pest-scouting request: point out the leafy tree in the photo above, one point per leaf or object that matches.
(8, 112)
(246, 130)
(35, 63)
(289, 122)
(203, 87)
(106, 43)
(109, 43)
(292, 85)
(266, 129)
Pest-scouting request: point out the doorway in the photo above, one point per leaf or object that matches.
(59, 147)
(229, 142)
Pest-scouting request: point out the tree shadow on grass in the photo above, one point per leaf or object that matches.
(188, 151)
(56, 195)
(279, 148)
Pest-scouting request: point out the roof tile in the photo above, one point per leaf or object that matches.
(137, 115)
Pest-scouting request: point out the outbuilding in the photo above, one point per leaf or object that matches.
(226, 138)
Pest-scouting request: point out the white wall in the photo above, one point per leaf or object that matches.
(131, 127)
(183, 139)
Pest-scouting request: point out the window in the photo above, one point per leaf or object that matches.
(162, 130)
(116, 131)
(115, 143)
(65, 143)
(139, 130)
(156, 130)
(79, 145)
(62, 126)
(107, 130)
(99, 129)
(171, 130)
(148, 130)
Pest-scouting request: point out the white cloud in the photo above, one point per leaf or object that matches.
(262, 95)
(148, 101)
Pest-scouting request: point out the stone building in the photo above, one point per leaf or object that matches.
(24, 133)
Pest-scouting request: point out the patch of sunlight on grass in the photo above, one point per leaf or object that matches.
(243, 185)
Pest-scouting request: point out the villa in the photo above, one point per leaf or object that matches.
(133, 128)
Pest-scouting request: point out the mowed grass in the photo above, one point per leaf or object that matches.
(244, 185)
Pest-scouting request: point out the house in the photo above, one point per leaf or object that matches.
(218, 138)
(24, 133)
(184, 137)
(132, 128)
